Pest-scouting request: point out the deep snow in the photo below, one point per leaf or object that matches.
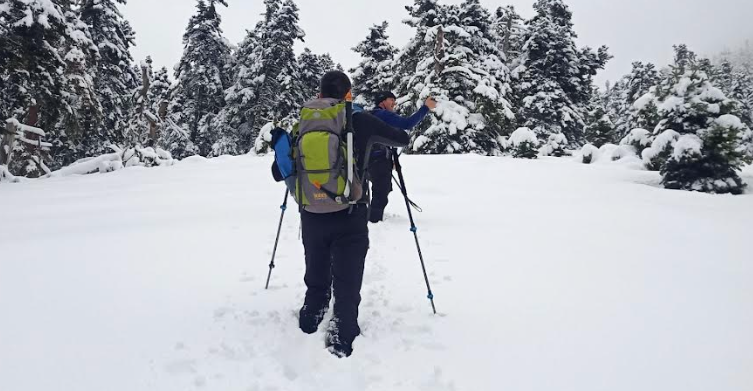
(548, 275)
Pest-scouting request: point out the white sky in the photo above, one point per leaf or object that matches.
(633, 29)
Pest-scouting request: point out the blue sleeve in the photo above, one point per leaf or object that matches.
(403, 123)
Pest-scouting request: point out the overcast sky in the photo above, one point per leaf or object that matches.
(633, 29)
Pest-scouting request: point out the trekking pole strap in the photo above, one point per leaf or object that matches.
(410, 201)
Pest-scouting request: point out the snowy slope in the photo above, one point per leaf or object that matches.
(548, 275)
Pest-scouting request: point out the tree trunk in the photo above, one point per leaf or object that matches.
(507, 36)
(439, 52)
(33, 118)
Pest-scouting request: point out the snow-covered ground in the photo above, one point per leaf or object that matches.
(548, 275)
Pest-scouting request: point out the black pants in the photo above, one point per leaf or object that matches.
(336, 245)
(380, 174)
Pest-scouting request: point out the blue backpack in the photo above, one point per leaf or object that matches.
(283, 168)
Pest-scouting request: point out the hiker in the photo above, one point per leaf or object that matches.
(380, 167)
(336, 243)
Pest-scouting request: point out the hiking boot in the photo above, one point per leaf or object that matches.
(339, 344)
(309, 319)
(376, 215)
(337, 347)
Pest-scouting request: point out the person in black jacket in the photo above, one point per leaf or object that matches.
(336, 244)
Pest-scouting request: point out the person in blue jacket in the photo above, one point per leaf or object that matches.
(380, 161)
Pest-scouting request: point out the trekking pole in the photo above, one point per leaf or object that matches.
(284, 207)
(349, 141)
(414, 229)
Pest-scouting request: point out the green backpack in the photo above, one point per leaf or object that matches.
(320, 152)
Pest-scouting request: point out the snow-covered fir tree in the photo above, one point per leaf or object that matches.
(710, 160)
(175, 138)
(639, 139)
(278, 89)
(202, 76)
(424, 15)
(115, 78)
(600, 129)
(159, 90)
(524, 144)
(554, 76)
(81, 120)
(711, 143)
(150, 123)
(555, 145)
(375, 71)
(492, 80)
(458, 62)
(140, 118)
(310, 71)
(280, 35)
(311, 68)
(647, 113)
(235, 120)
(510, 29)
(32, 73)
(619, 99)
(328, 64)
(737, 84)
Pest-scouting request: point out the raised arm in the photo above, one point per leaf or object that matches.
(404, 123)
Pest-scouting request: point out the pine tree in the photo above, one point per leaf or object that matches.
(458, 62)
(492, 89)
(31, 73)
(279, 89)
(202, 76)
(311, 71)
(82, 117)
(710, 160)
(424, 15)
(710, 148)
(159, 90)
(524, 144)
(510, 28)
(139, 123)
(554, 76)
(326, 63)
(150, 123)
(374, 73)
(235, 120)
(283, 78)
(620, 99)
(737, 84)
(115, 78)
(311, 68)
(600, 129)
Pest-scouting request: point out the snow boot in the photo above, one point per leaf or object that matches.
(309, 319)
(376, 215)
(338, 347)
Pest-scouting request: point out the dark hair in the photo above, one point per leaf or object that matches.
(335, 84)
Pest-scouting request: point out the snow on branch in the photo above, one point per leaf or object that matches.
(25, 128)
